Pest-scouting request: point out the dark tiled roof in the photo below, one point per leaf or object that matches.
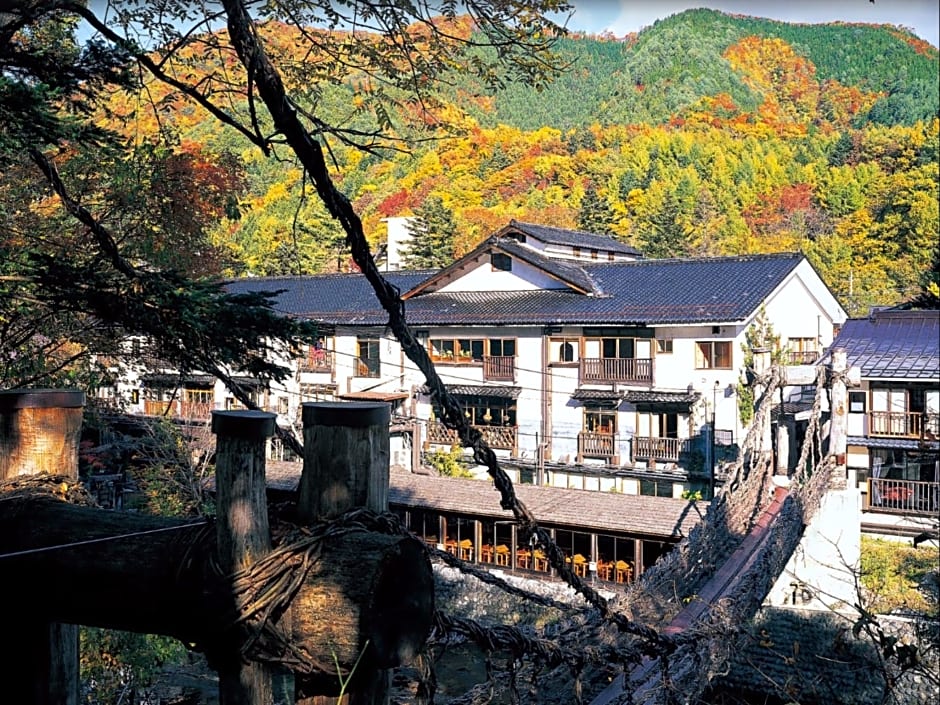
(571, 238)
(332, 298)
(653, 292)
(635, 514)
(662, 517)
(893, 344)
(901, 443)
(637, 397)
(479, 390)
(584, 394)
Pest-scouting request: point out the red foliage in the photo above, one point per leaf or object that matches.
(394, 204)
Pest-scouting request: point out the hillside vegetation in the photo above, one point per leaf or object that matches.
(705, 134)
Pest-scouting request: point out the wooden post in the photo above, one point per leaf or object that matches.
(242, 530)
(762, 363)
(838, 431)
(346, 465)
(346, 459)
(39, 433)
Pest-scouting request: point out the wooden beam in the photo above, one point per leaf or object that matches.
(39, 434)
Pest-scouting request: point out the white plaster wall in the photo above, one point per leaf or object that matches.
(800, 309)
(826, 562)
(483, 277)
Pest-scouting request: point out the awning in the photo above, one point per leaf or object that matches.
(374, 396)
(158, 380)
(478, 390)
(661, 401)
(899, 443)
(604, 395)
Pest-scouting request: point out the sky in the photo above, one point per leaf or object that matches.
(620, 17)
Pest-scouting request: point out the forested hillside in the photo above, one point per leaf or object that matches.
(704, 134)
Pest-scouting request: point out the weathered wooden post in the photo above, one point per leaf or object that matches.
(242, 530)
(346, 465)
(762, 363)
(839, 409)
(39, 433)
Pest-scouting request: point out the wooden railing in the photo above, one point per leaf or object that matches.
(499, 368)
(496, 437)
(179, 409)
(616, 369)
(316, 361)
(802, 357)
(655, 448)
(903, 496)
(903, 424)
(597, 445)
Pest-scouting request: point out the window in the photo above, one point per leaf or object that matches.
(563, 350)
(664, 346)
(501, 262)
(576, 252)
(593, 254)
(283, 406)
(713, 354)
(502, 347)
(368, 357)
(857, 402)
(597, 420)
(470, 350)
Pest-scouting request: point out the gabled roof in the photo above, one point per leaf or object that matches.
(641, 292)
(893, 344)
(570, 238)
(567, 272)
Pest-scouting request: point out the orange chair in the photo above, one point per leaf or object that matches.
(580, 565)
(541, 561)
(466, 550)
(523, 556)
(624, 572)
(502, 554)
(486, 553)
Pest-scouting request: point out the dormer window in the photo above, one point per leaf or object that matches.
(501, 262)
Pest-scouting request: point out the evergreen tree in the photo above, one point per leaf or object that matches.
(595, 214)
(432, 236)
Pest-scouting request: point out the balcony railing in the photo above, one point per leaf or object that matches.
(616, 369)
(597, 445)
(903, 424)
(903, 496)
(499, 368)
(316, 361)
(177, 409)
(655, 448)
(497, 437)
(802, 357)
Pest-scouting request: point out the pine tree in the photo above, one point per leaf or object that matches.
(595, 214)
(432, 236)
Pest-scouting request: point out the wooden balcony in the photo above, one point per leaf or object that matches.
(597, 445)
(499, 368)
(655, 448)
(802, 357)
(496, 437)
(316, 361)
(635, 370)
(903, 496)
(903, 424)
(192, 410)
